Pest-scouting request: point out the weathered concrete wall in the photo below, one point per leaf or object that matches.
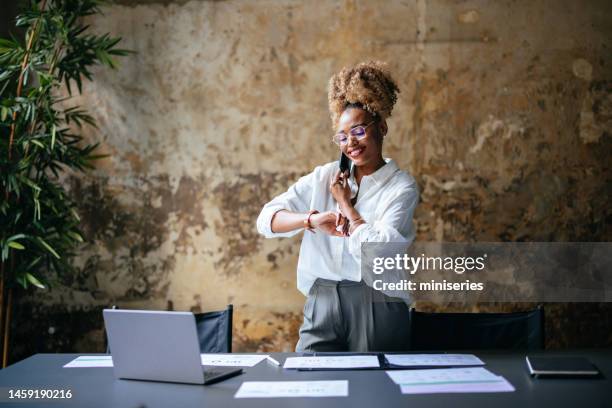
(504, 118)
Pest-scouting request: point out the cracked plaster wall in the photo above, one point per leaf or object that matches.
(504, 118)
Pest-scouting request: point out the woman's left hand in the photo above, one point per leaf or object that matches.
(340, 189)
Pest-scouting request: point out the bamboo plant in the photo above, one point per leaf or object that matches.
(40, 138)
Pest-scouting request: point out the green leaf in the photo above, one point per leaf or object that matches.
(37, 143)
(76, 236)
(53, 130)
(21, 279)
(93, 157)
(75, 214)
(34, 281)
(29, 182)
(36, 209)
(48, 247)
(16, 245)
(4, 113)
(34, 262)
(6, 45)
(15, 237)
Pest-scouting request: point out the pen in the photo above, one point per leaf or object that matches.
(273, 361)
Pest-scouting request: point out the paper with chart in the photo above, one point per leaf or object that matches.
(431, 360)
(90, 361)
(449, 380)
(232, 360)
(280, 389)
(332, 362)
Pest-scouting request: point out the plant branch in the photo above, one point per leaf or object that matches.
(7, 327)
(24, 63)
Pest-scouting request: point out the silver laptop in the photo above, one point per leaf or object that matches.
(158, 346)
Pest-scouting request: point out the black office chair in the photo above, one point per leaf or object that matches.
(214, 331)
(477, 331)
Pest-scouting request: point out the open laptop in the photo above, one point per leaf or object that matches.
(158, 346)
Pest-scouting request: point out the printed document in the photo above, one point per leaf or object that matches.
(425, 360)
(232, 360)
(279, 389)
(332, 362)
(462, 380)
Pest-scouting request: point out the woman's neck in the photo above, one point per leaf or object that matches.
(368, 169)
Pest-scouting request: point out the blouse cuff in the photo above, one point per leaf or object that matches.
(264, 221)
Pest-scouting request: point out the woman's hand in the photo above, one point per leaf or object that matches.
(343, 223)
(327, 222)
(340, 189)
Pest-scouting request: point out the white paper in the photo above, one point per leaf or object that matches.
(232, 360)
(332, 362)
(280, 389)
(446, 360)
(463, 380)
(441, 375)
(500, 386)
(90, 361)
(211, 359)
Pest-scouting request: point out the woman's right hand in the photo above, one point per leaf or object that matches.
(326, 222)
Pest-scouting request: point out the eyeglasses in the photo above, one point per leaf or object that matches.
(358, 132)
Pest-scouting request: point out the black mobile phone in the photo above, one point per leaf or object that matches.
(345, 162)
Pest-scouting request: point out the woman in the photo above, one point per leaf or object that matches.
(373, 202)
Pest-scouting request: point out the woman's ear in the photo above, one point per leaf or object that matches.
(383, 127)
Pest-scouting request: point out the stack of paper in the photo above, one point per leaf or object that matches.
(448, 380)
(276, 389)
(433, 360)
(332, 362)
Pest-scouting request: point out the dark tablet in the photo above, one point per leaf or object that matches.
(560, 366)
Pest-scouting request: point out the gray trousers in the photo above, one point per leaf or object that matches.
(351, 316)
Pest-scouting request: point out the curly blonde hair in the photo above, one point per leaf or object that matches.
(368, 85)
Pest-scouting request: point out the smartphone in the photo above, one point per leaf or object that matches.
(345, 165)
(345, 162)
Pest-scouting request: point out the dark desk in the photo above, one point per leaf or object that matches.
(96, 387)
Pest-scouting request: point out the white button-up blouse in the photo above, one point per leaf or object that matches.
(386, 202)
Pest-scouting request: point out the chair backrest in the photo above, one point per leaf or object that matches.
(477, 331)
(215, 330)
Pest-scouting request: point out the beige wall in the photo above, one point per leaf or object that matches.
(504, 118)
